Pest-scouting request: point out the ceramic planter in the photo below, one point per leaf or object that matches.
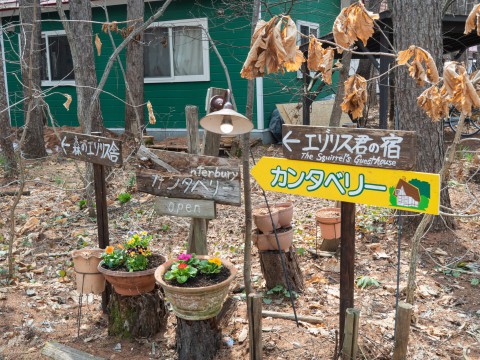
(262, 219)
(85, 263)
(285, 213)
(197, 303)
(130, 283)
(329, 221)
(266, 242)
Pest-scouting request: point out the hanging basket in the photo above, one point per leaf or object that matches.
(85, 263)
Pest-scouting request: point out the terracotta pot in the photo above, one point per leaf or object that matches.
(261, 240)
(329, 221)
(130, 283)
(197, 303)
(262, 219)
(285, 213)
(285, 240)
(85, 263)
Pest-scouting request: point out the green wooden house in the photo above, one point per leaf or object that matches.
(180, 64)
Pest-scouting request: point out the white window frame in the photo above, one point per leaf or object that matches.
(311, 25)
(50, 82)
(201, 23)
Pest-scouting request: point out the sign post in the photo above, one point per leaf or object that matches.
(100, 151)
(352, 166)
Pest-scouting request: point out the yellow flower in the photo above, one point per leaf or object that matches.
(215, 261)
(143, 233)
(130, 242)
(109, 249)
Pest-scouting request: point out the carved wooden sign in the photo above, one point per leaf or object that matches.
(195, 177)
(94, 149)
(391, 149)
(204, 209)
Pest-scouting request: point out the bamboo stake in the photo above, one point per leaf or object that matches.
(350, 345)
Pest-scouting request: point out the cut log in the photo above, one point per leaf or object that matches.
(201, 339)
(285, 316)
(136, 316)
(271, 265)
(56, 351)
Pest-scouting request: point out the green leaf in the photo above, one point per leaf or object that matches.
(182, 278)
(61, 273)
(456, 273)
(475, 281)
(300, 251)
(267, 300)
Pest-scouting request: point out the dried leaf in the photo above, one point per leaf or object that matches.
(68, 102)
(299, 60)
(352, 24)
(98, 44)
(355, 96)
(289, 40)
(320, 59)
(434, 102)
(458, 85)
(421, 58)
(151, 116)
(276, 54)
(473, 20)
(254, 65)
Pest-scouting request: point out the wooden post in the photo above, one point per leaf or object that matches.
(211, 141)
(350, 345)
(402, 330)
(384, 88)
(255, 326)
(347, 263)
(197, 237)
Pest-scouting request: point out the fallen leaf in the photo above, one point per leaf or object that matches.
(243, 335)
(29, 225)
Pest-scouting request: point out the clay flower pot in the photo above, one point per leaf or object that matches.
(285, 239)
(261, 240)
(329, 221)
(85, 263)
(285, 213)
(130, 283)
(196, 303)
(262, 220)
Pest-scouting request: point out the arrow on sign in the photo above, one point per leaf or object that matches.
(287, 141)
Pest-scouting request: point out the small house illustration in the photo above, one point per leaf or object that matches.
(407, 194)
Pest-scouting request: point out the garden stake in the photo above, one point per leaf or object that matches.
(397, 295)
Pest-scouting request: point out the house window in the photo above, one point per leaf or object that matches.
(176, 51)
(57, 63)
(306, 28)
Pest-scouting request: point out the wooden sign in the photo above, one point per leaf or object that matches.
(192, 177)
(95, 149)
(397, 189)
(186, 208)
(391, 149)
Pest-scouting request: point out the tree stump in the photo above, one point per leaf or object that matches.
(201, 339)
(136, 316)
(271, 265)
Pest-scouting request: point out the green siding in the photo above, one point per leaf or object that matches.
(231, 32)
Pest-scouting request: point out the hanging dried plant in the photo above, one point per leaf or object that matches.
(151, 116)
(98, 44)
(434, 102)
(320, 59)
(355, 96)
(473, 20)
(416, 69)
(68, 102)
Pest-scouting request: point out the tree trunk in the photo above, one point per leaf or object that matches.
(83, 63)
(135, 116)
(197, 340)
(6, 144)
(33, 145)
(426, 34)
(271, 266)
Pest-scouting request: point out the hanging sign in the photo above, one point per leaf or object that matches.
(396, 189)
(94, 149)
(195, 177)
(391, 149)
(203, 209)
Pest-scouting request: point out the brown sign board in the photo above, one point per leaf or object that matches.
(204, 209)
(391, 149)
(195, 177)
(94, 149)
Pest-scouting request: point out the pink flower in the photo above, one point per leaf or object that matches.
(184, 257)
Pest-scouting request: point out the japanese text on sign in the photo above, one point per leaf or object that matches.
(362, 147)
(90, 148)
(407, 190)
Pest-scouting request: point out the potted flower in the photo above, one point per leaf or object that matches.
(130, 267)
(196, 286)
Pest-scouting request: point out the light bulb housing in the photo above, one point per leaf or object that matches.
(213, 122)
(226, 126)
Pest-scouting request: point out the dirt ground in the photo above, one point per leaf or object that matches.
(41, 303)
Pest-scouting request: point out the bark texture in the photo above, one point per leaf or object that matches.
(135, 117)
(426, 34)
(6, 144)
(271, 265)
(33, 145)
(197, 340)
(136, 316)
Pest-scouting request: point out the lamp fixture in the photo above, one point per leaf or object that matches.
(223, 119)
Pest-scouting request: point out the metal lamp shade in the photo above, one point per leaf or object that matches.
(212, 122)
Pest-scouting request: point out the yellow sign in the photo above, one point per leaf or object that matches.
(397, 189)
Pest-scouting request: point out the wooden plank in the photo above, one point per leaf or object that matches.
(390, 149)
(212, 186)
(287, 316)
(350, 342)
(402, 330)
(347, 263)
(56, 351)
(95, 149)
(255, 325)
(182, 162)
(203, 209)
